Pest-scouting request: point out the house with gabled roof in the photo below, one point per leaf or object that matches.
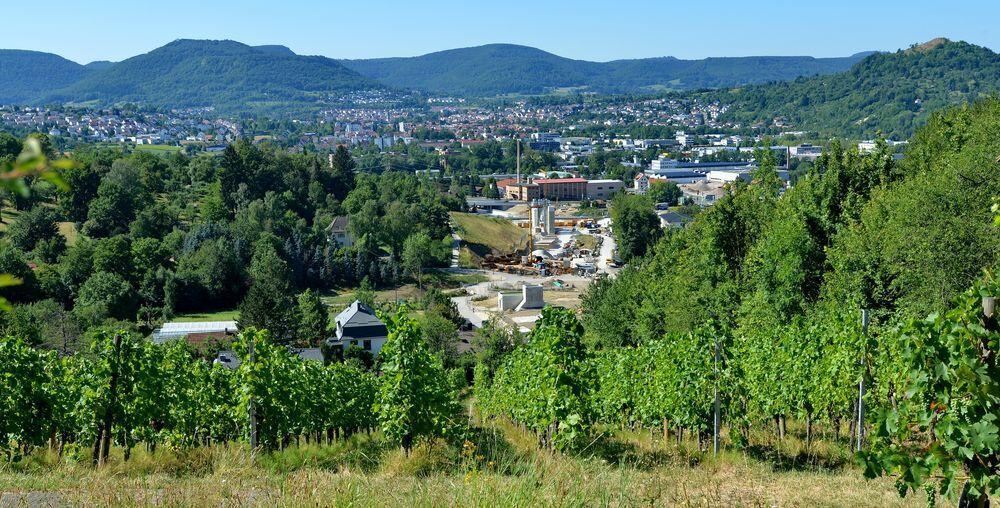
(338, 231)
(357, 325)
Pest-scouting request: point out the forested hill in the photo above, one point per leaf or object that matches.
(228, 75)
(888, 92)
(24, 74)
(497, 69)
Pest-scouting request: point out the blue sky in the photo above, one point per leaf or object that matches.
(584, 29)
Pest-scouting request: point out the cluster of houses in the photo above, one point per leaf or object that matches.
(121, 126)
(357, 325)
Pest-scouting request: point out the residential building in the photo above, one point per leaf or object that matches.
(554, 174)
(503, 184)
(867, 146)
(871, 145)
(522, 191)
(705, 151)
(357, 325)
(673, 219)
(641, 183)
(339, 232)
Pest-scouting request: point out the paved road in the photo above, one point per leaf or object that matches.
(607, 252)
(456, 242)
(465, 309)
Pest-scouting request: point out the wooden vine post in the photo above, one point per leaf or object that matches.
(859, 432)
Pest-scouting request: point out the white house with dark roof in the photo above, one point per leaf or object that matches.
(357, 325)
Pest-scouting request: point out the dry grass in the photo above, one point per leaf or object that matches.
(502, 468)
(586, 242)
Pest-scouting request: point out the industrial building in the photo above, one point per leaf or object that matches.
(561, 189)
(603, 189)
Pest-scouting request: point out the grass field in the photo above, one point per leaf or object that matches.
(338, 300)
(196, 317)
(452, 280)
(483, 235)
(159, 149)
(68, 230)
(440, 279)
(499, 466)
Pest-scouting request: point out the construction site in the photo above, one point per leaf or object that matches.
(534, 250)
(558, 253)
(554, 244)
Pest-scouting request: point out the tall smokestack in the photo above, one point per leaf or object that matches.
(518, 161)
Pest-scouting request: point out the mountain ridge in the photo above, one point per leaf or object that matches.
(224, 74)
(893, 93)
(24, 72)
(499, 69)
(230, 74)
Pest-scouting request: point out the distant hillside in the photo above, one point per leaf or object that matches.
(890, 92)
(228, 75)
(99, 65)
(24, 75)
(275, 49)
(498, 69)
(720, 72)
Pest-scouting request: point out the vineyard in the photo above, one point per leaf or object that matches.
(929, 388)
(553, 385)
(832, 342)
(129, 392)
